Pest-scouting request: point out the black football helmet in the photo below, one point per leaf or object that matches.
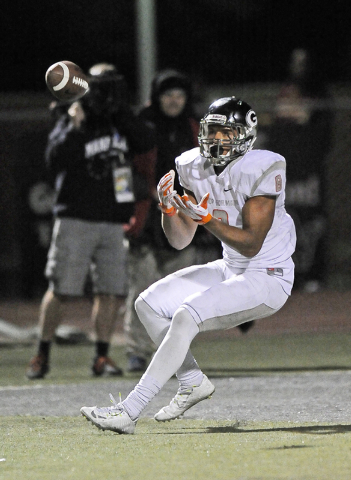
(236, 115)
(107, 90)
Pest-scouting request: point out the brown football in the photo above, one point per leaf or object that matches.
(66, 81)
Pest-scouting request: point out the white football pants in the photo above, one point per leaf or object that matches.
(201, 298)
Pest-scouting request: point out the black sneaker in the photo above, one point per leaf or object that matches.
(38, 367)
(105, 366)
(136, 364)
(245, 327)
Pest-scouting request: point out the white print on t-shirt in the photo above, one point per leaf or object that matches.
(104, 144)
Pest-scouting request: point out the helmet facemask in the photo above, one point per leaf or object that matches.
(222, 151)
(237, 124)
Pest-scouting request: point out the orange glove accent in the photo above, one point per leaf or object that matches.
(205, 216)
(167, 211)
(165, 192)
(199, 213)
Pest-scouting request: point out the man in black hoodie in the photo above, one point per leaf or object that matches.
(170, 115)
(90, 154)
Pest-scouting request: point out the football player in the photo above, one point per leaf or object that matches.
(237, 194)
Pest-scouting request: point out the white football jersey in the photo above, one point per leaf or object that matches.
(258, 172)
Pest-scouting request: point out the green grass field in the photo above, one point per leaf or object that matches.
(46, 447)
(63, 448)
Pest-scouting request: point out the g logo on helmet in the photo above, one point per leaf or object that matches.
(251, 118)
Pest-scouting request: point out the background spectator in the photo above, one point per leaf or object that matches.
(151, 257)
(301, 131)
(89, 153)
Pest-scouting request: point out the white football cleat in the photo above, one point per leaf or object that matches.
(185, 398)
(113, 418)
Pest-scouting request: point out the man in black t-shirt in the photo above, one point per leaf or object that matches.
(90, 154)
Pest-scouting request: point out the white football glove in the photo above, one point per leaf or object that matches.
(165, 193)
(199, 213)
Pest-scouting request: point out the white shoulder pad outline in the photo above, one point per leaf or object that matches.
(188, 156)
(264, 156)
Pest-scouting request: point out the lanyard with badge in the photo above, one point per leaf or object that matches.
(121, 171)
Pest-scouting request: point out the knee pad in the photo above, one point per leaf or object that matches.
(184, 323)
(155, 325)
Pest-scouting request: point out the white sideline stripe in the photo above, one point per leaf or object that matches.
(23, 387)
(65, 78)
(18, 333)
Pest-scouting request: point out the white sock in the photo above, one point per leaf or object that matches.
(166, 361)
(140, 396)
(174, 349)
(189, 374)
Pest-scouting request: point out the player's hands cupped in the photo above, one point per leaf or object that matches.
(165, 193)
(199, 213)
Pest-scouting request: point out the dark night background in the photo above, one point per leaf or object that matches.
(221, 41)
